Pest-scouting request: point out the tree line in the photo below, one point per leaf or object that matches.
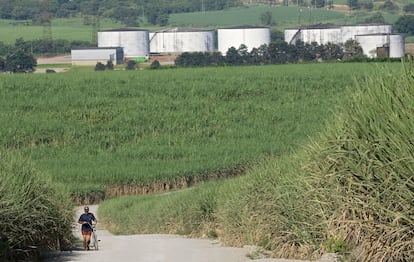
(275, 53)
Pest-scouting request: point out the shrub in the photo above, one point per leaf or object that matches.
(100, 67)
(131, 65)
(155, 64)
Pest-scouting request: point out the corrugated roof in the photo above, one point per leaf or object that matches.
(123, 30)
(182, 29)
(245, 27)
(331, 26)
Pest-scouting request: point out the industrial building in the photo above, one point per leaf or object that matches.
(179, 40)
(252, 37)
(375, 39)
(134, 42)
(91, 56)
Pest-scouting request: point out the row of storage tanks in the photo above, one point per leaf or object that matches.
(141, 43)
(373, 38)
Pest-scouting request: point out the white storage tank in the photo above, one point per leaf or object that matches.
(322, 35)
(350, 31)
(135, 42)
(389, 45)
(178, 40)
(397, 45)
(252, 37)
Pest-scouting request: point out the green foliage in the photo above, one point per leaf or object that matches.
(361, 169)
(352, 50)
(33, 211)
(409, 8)
(180, 212)
(20, 62)
(164, 126)
(99, 67)
(405, 24)
(131, 65)
(349, 191)
(353, 4)
(155, 64)
(375, 18)
(333, 245)
(389, 6)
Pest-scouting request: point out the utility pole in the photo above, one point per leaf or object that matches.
(47, 27)
(95, 21)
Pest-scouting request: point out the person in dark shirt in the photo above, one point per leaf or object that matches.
(86, 220)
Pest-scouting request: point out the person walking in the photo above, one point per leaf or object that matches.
(86, 220)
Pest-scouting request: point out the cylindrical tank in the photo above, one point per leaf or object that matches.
(178, 40)
(349, 32)
(252, 37)
(397, 45)
(292, 35)
(373, 45)
(135, 42)
(322, 35)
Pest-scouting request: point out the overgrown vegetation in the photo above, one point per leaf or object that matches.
(35, 214)
(349, 191)
(362, 166)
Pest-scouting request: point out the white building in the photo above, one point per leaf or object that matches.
(91, 56)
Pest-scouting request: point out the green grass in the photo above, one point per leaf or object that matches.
(114, 128)
(284, 17)
(67, 29)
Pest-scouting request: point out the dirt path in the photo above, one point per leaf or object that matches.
(151, 248)
(156, 248)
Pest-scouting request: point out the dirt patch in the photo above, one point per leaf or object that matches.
(62, 59)
(341, 8)
(51, 70)
(409, 49)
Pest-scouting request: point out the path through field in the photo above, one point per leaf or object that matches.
(156, 248)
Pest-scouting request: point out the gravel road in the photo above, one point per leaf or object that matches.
(157, 248)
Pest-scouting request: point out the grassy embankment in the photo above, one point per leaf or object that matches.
(112, 133)
(350, 190)
(35, 213)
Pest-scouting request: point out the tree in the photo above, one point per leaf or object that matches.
(233, 57)
(405, 24)
(20, 62)
(352, 49)
(318, 3)
(353, 4)
(409, 8)
(267, 18)
(375, 18)
(2, 64)
(131, 65)
(389, 6)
